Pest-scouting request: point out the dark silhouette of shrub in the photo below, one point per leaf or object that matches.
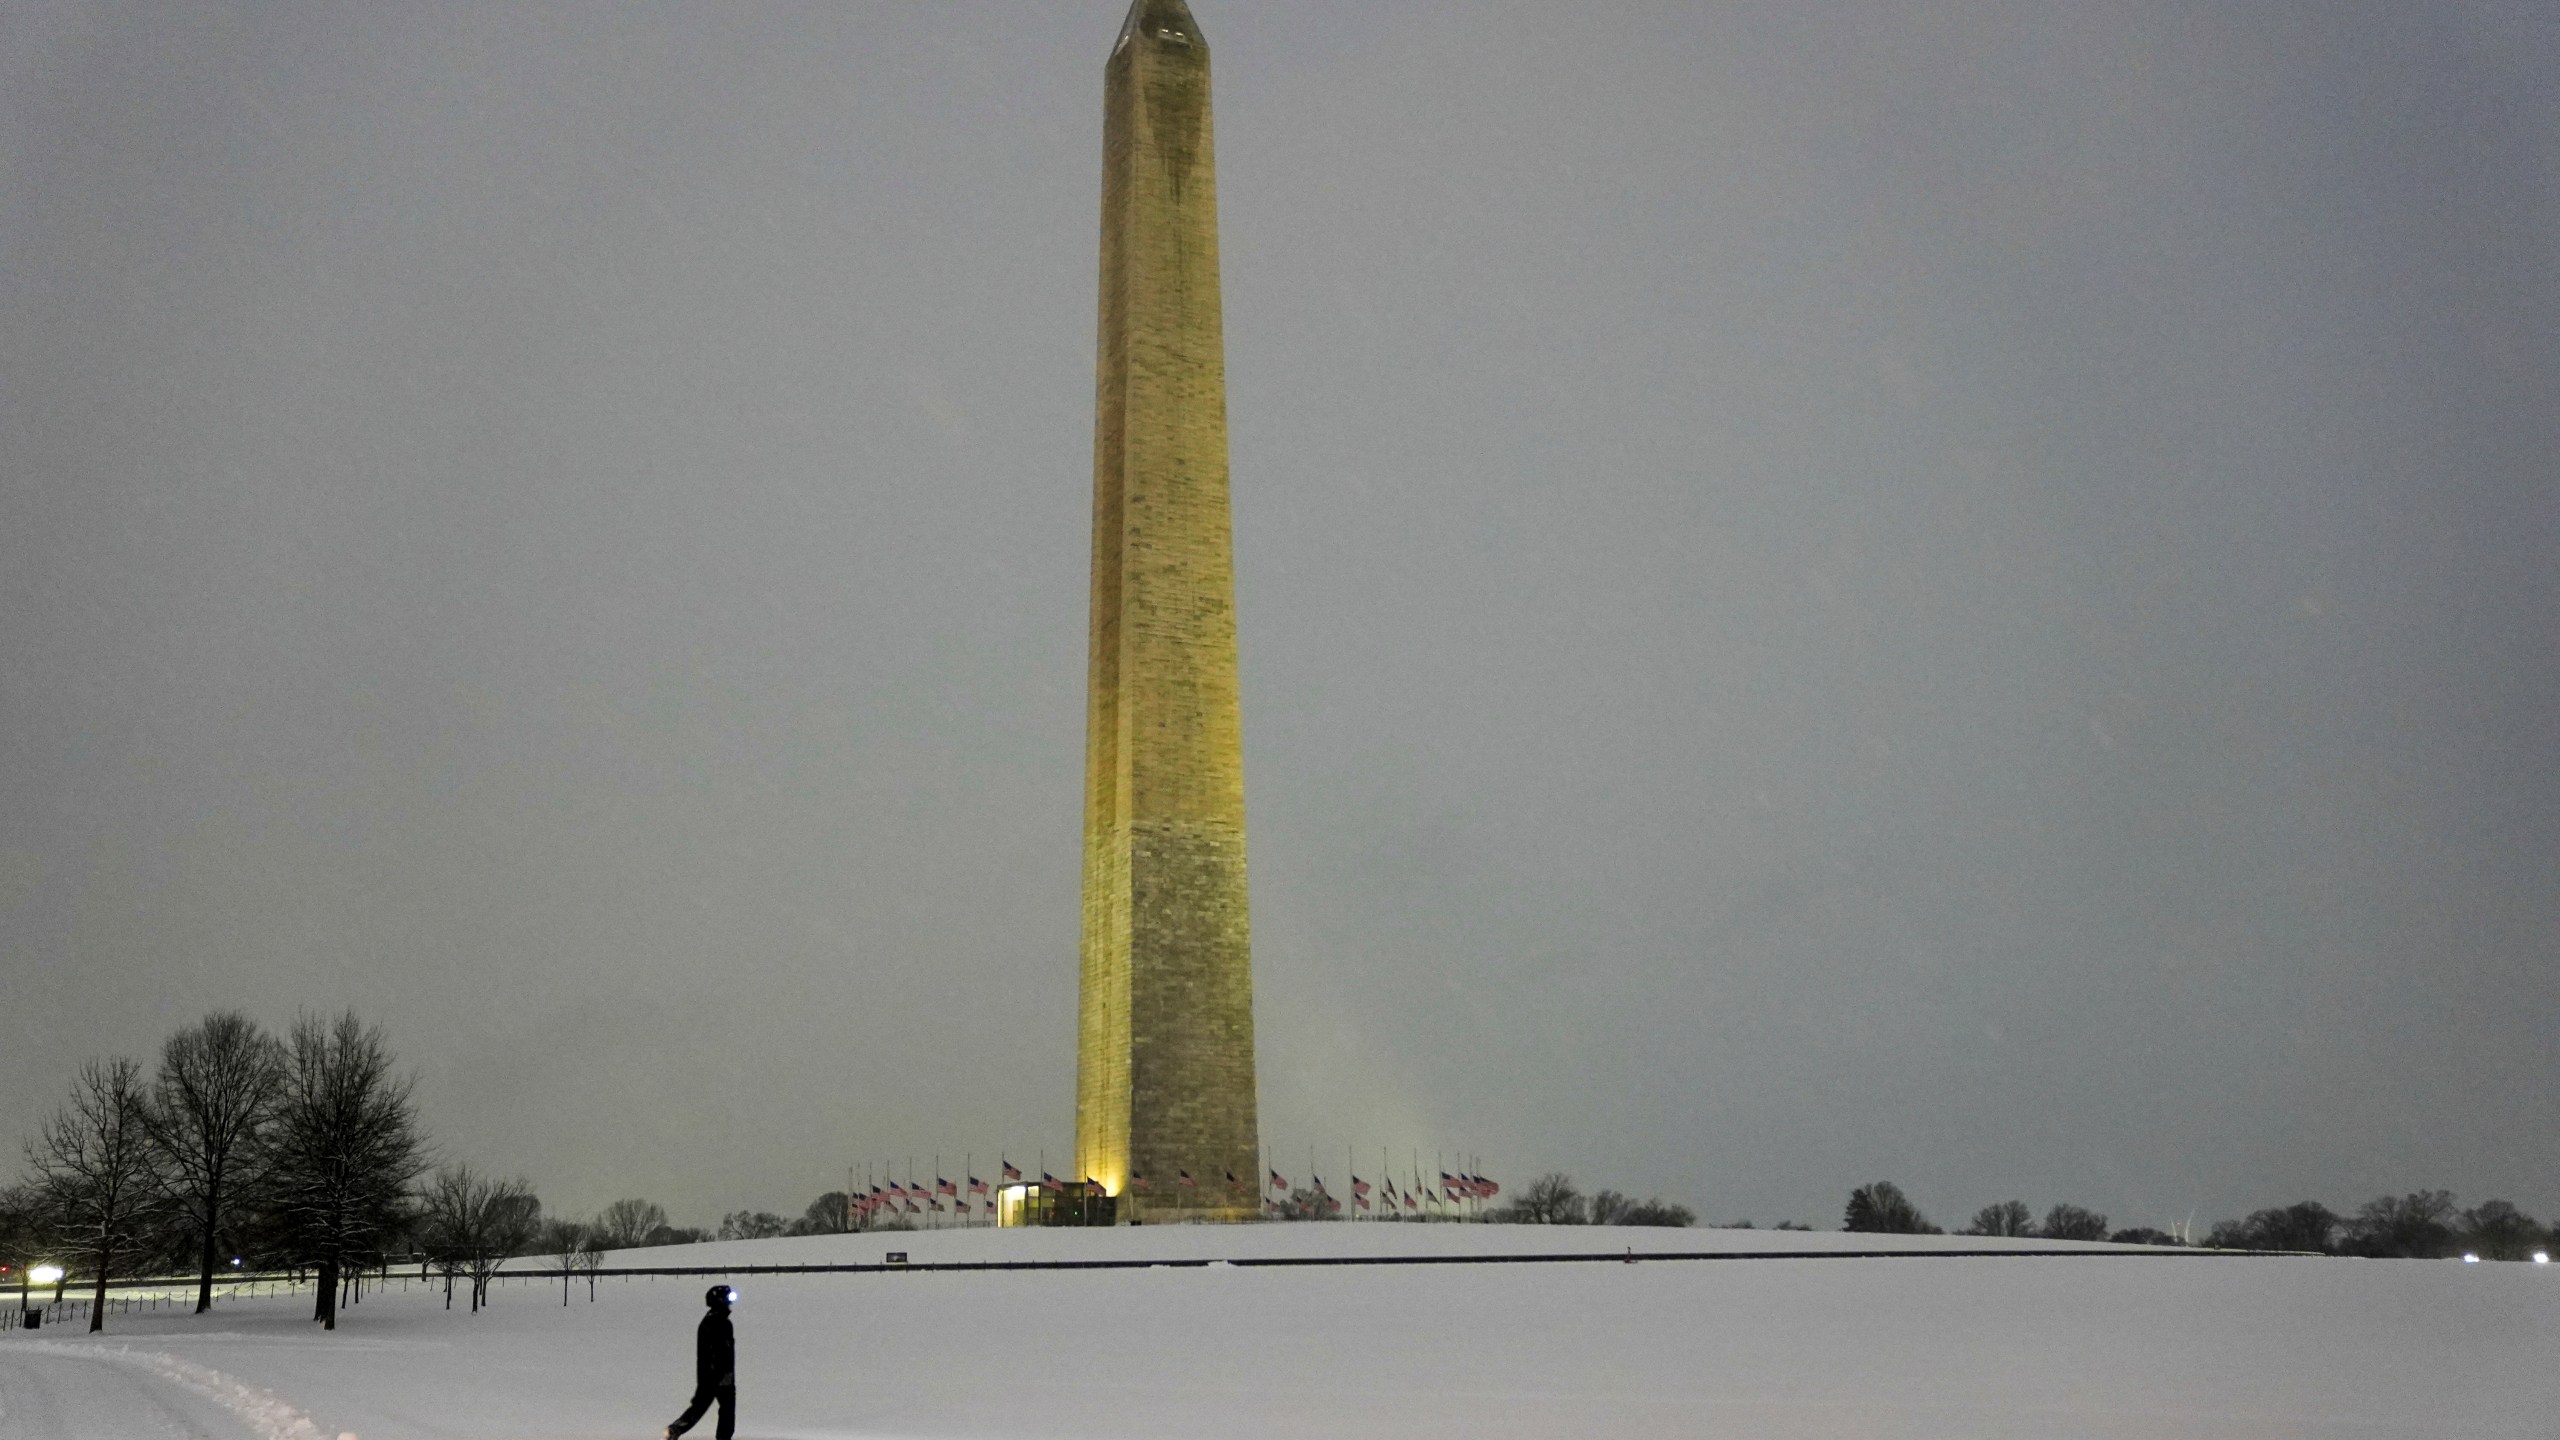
(1882, 1209)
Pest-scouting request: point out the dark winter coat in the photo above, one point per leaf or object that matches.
(715, 1351)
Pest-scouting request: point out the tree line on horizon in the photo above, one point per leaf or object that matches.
(247, 1151)
(2423, 1224)
(305, 1152)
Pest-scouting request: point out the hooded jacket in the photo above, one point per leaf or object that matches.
(715, 1350)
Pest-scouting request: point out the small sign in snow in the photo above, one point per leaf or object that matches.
(897, 1257)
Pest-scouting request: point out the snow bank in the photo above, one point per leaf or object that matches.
(264, 1415)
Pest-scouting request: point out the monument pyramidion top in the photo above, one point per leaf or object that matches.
(1167, 21)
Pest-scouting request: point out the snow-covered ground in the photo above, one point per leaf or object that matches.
(1917, 1347)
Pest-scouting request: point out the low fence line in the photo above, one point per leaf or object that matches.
(405, 1277)
(1613, 1257)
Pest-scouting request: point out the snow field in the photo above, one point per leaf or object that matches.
(1928, 1349)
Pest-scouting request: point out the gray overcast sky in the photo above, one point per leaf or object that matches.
(1966, 593)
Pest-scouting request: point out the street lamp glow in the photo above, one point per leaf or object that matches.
(45, 1274)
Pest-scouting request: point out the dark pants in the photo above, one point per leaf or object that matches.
(727, 1395)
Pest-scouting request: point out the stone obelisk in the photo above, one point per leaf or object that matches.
(1164, 1059)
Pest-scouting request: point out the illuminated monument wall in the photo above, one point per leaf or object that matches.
(1164, 1063)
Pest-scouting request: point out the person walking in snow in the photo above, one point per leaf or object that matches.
(715, 1367)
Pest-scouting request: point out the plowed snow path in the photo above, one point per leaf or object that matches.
(53, 1395)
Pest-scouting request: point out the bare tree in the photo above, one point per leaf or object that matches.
(1551, 1199)
(218, 1084)
(2008, 1217)
(2497, 1230)
(565, 1240)
(97, 1171)
(2417, 1225)
(444, 1218)
(627, 1224)
(578, 1248)
(472, 1225)
(345, 1148)
(750, 1225)
(2071, 1222)
(22, 1227)
(591, 1260)
(510, 1221)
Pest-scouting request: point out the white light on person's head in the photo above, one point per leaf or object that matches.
(733, 1295)
(2541, 1257)
(2470, 1259)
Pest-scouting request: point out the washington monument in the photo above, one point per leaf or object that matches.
(1164, 1057)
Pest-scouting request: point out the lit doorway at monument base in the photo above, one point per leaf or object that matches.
(1026, 1203)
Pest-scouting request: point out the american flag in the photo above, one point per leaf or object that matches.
(1319, 1184)
(1278, 1181)
(944, 1187)
(1009, 1172)
(1360, 1200)
(1487, 1187)
(1137, 1181)
(1232, 1181)
(1050, 1182)
(897, 1190)
(977, 1186)
(1359, 1186)
(1183, 1178)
